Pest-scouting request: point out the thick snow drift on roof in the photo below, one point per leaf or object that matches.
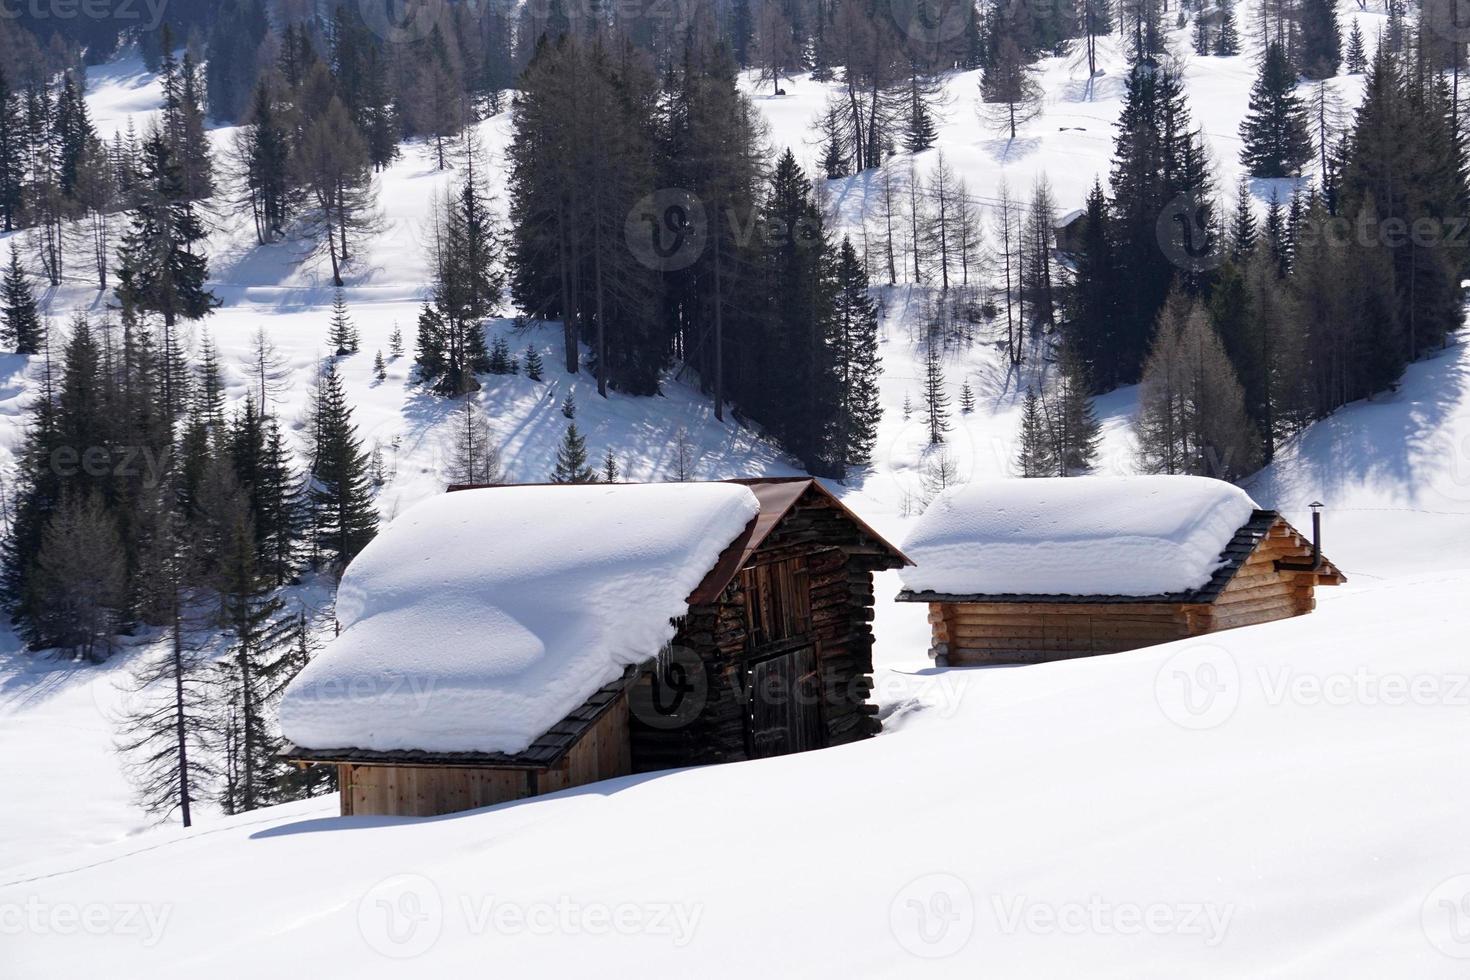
(479, 619)
(1130, 535)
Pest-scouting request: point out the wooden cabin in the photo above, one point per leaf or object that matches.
(772, 656)
(1266, 570)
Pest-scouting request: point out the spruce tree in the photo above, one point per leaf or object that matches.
(380, 370)
(1036, 456)
(1158, 173)
(1276, 131)
(1319, 39)
(395, 342)
(920, 133)
(499, 359)
(1242, 223)
(610, 472)
(967, 398)
(936, 399)
(1357, 53)
(571, 459)
(158, 269)
(345, 518)
(1075, 428)
(342, 336)
(1227, 39)
(855, 335)
(21, 327)
(534, 367)
(12, 155)
(1201, 36)
(1093, 302)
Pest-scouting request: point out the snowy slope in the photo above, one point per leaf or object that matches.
(1281, 800)
(1027, 821)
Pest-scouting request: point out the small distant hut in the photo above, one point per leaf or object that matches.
(502, 642)
(1027, 571)
(1068, 231)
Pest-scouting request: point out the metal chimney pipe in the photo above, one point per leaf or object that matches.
(1316, 506)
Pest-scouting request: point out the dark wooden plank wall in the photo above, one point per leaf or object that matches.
(839, 562)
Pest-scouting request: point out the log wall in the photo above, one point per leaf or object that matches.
(837, 562)
(971, 633)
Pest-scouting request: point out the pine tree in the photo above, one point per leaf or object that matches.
(834, 143)
(1158, 171)
(610, 472)
(81, 572)
(1072, 419)
(474, 458)
(500, 360)
(967, 398)
(1009, 92)
(1319, 39)
(1201, 42)
(1242, 223)
(936, 399)
(1037, 454)
(855, 331)
(209, 388)
(1227, 40)
(571, 459)
(1192, 417)
(1276, 131)
(569, 406)
(21, 327)
(342, 336)
(920, 133)
(534, 367)
(12, 156)
(345, 518)
(166, 732)
(395, 342)
(380, 370)
(158, 269)
(1093, 302)
(1357, 54)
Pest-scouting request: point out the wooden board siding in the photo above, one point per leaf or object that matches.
(426, 791)
(973, 633)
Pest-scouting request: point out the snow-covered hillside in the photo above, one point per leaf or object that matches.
(1284, 799)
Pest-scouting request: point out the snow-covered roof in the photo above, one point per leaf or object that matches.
(1068, 218)
(1123, 536)
(479, 619)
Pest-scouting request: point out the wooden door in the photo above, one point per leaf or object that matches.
(784, 711)
(778, 601)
